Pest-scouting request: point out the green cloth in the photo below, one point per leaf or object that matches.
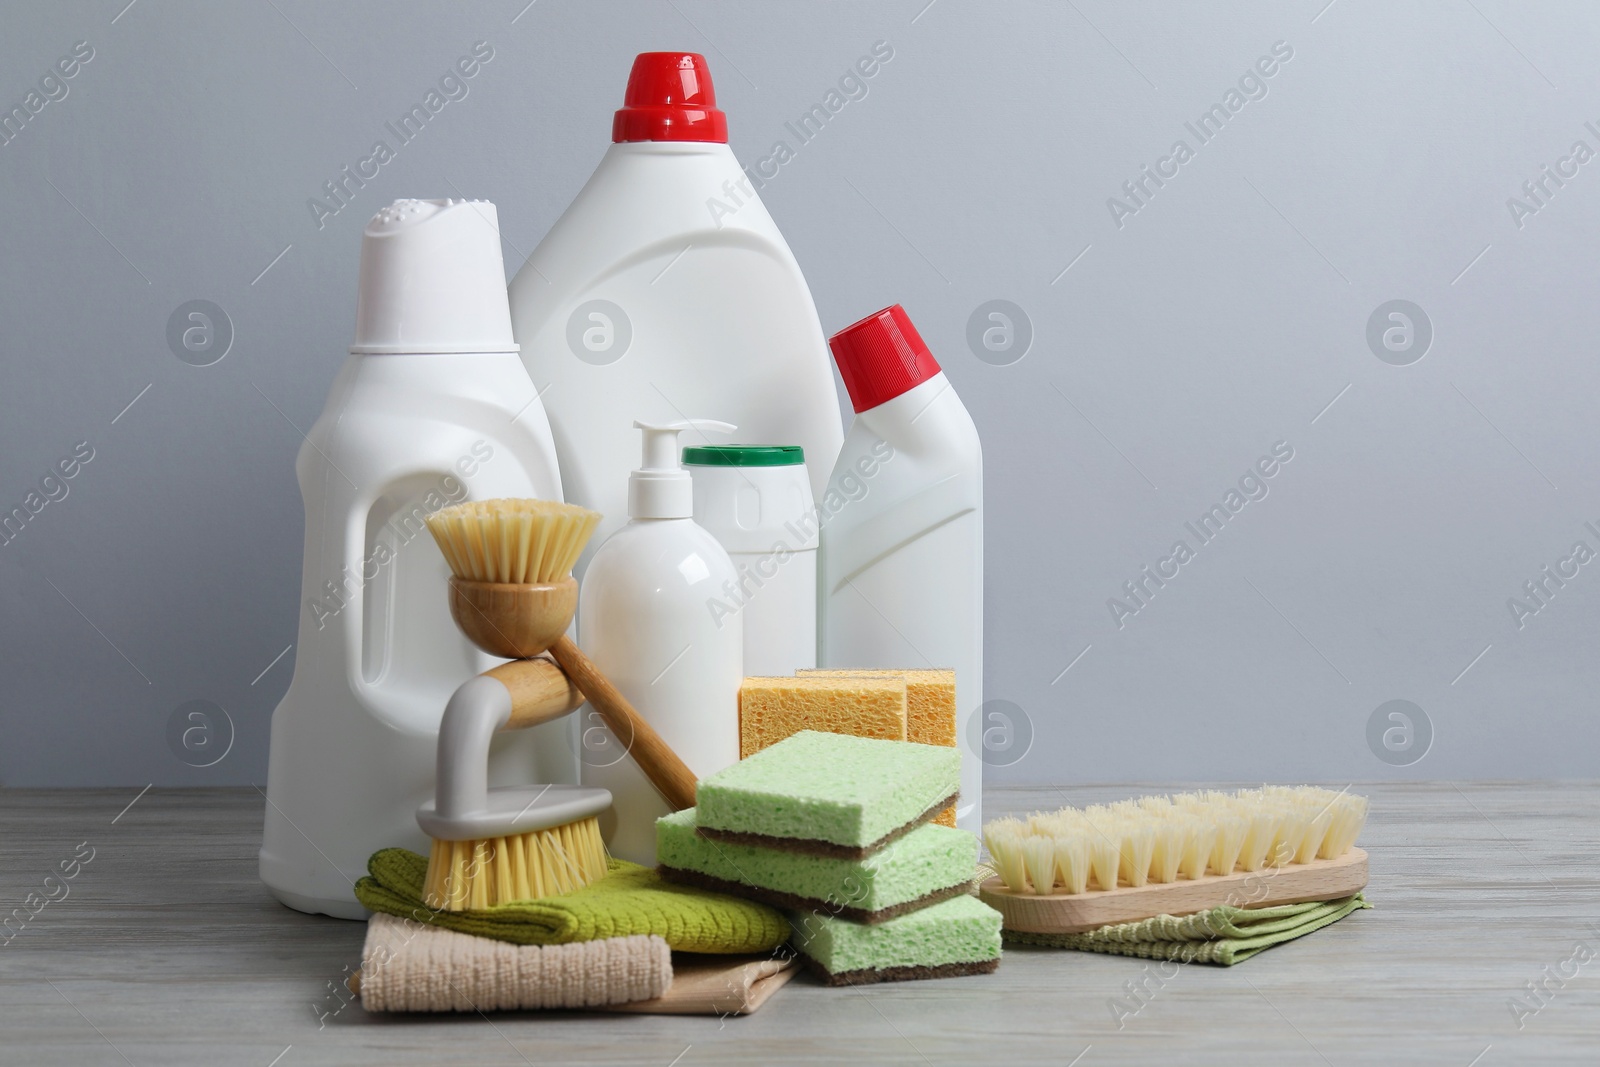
(1224, 935)
(630, 899)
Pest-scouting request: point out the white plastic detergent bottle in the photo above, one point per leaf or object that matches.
(432, 407)
(902, 527)
(646, 619)
(666, 289)
(756, 500)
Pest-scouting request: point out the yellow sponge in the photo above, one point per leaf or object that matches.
(930, 707)
(770, 709)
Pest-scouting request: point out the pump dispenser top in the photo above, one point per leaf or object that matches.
(660, 488)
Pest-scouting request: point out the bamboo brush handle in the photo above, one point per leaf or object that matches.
(670, 775)
(540, 691)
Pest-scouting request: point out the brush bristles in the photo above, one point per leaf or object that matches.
(1259, 828)
(1072, 863)
(1008, 862)
(1347, 820)
(1105, 854)
(1138, 843)
(1039, 859)
(1164, 839)
(470, 875)
(520, 542)
(1198, 838)
(1167, 856)
(1231, 829)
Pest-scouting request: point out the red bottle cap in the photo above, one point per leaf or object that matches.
(881, 357)
(670, 98)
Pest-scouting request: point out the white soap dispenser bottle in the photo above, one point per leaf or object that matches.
(645, 617)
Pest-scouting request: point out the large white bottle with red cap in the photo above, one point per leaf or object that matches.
(646, 619)
(902, 528)
(431, 407)
(667, 289)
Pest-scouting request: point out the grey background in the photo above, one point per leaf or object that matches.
(1224, 316)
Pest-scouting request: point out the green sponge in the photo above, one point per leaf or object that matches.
(930, 864)
(829, 794)
(959, 936)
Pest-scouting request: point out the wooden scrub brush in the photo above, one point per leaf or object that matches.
(513, 595)
(1073, 870)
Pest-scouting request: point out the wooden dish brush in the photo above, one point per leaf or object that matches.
(513, 595)
(1073, 870)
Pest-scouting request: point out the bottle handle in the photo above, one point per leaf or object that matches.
(355, 606)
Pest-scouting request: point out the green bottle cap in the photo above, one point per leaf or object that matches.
(744, 455)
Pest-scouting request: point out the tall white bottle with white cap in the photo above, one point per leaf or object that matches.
(431, 407)
(646, 618)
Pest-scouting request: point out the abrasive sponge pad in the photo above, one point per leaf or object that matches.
(771, 709)
(930, 707)
(930, 698)
(829, 794)
(929, 864)
(959, 936)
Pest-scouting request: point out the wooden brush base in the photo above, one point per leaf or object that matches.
(513, 621)
(1074, 913)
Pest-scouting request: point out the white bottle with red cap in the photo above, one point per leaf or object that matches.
(666, 289)
(902, 527)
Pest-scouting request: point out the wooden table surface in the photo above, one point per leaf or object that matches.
(167, 950)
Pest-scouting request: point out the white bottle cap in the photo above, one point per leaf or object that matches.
(661, 488)
(432, 280)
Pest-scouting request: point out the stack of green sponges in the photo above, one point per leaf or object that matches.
(836, 829)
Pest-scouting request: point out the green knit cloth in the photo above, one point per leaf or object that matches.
(1224, 935)
(630, 899)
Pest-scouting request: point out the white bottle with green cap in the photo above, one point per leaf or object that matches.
(646, 619)
(756, 500)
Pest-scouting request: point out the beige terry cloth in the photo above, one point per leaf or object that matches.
(719, 985)
(411, 966)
